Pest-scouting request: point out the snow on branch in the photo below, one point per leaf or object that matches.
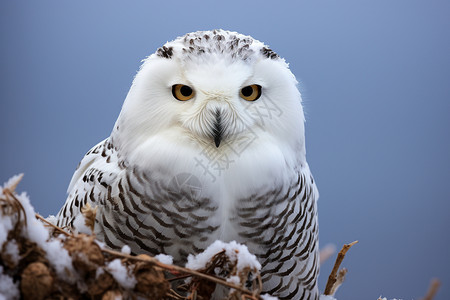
(39, 260)
(42, 262)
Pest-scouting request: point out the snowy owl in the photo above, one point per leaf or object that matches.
(209, 145)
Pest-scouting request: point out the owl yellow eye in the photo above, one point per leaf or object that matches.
(251, 92)
(182, 92)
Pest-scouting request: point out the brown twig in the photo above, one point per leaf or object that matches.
(339, 280)
(13, 201)
(175, 295)
(181, 270)
(158, 263)
(333, 275)
(38, 216)
(432, 290)
(16, 204)
(9, 192)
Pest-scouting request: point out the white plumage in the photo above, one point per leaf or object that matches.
(209, 145)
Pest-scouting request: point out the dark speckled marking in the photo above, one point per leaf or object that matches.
(269, 53)
(165, 52)
(197, 44)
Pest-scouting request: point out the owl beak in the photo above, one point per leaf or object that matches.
(217, 130)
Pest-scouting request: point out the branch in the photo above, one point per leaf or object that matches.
(152, 260)
(432, 290)
(59, 229)
(332, 279)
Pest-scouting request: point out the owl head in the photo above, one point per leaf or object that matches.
(212, 88)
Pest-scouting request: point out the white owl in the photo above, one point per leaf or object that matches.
(209, 145)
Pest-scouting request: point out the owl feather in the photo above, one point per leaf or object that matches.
(209, 145)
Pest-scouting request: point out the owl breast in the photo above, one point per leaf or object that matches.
(181, 207)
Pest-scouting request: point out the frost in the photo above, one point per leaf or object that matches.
(8, 289)
(120, 274)
(165, 259)
(234, 251)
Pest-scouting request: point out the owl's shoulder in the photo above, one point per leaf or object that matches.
(96, 174)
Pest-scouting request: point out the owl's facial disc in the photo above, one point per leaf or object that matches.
(214, 96)
(213, 114)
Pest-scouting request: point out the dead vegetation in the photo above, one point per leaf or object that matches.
(91, 262)
(91, 274)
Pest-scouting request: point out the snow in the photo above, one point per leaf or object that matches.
(268, 297)
(99, 272)
(35, 231)
(5, 226)
(52, 219)
(8, 290)
(12, 182)
(234, 279)
(326, 297)
(12, 250)
(80, 224)
(126, 250)
(120, 274)
(7, 222)
(234, 251)
(165, 259)
(60, 260)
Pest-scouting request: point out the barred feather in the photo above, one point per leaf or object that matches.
(149, 183)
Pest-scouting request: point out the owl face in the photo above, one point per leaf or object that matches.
(212, 88)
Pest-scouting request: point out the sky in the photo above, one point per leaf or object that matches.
(375, 80)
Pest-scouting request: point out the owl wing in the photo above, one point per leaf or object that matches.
(148, 211)
(95, 174)
(282, 223)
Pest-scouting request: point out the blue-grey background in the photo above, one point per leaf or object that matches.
(375, 77)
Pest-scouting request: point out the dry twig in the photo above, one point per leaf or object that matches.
(432, 290)
(172, 268)
(59, 229)
(333, 278)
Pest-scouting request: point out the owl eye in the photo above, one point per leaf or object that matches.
(182, 92)
(251, 92)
